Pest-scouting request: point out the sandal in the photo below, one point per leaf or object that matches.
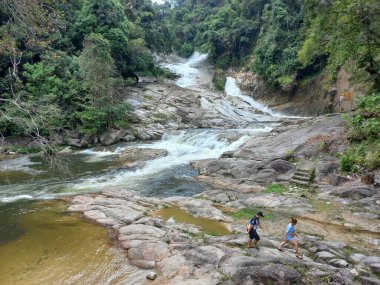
(281, 249)
(299, 256)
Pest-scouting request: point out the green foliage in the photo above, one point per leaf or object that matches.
(93, 120)
(276, 188)
(107, 18)
(248, 213)
(364, 135)
(279, 42)
(219, 79)
(345, 31)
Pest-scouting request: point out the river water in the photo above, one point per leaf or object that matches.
(40, 244)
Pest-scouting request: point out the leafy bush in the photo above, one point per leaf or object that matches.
(364, 135)
(219, 79)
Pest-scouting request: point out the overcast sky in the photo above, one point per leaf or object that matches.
(158, 1)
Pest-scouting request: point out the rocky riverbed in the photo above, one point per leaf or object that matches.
(338, 216)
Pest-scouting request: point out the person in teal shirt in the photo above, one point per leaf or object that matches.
(290, 236)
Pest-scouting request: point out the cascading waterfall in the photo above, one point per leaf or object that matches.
(182, 147)
(232, 89)
(187, 70)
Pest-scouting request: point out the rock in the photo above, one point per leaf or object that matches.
(151, 275)
(280, 166)
(324, 168)
(354, 192)
(324, 255)
(123, 214)
(357, 257)
(139, 229)
(338, 263)
(368, 178)
(375, 267)
(111, 136)
(133, 156)
(149, 251)
(128, 138)
(146, 264)
(173, 265)
(371, 259)
(264, 176)
(369, 280)
(244, 270)
(337, 179)
(221, 198)
(66, 150)
(74, 142)
(204, 255)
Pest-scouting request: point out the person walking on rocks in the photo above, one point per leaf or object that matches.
(252, 226)
(290, 236)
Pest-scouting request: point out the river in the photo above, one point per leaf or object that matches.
(41, 244)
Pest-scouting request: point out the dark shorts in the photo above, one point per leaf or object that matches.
(253, 235)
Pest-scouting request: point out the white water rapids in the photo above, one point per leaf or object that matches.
(94, 169)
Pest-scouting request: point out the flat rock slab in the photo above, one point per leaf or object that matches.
(140, 229)
(149, 251)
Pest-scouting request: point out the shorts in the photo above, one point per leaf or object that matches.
(253, 235)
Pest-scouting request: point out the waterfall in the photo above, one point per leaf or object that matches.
(232, 89)
(182, 147)
(187, 70)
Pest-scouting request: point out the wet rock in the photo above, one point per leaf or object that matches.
(134, 156)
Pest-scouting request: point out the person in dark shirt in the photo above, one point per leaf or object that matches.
(253, 224)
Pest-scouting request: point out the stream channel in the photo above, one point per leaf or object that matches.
(41, 244)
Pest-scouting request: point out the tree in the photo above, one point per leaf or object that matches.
(98, 70)
(107, 18)
(345, 30)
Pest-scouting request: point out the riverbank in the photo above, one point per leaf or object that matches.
(339, 242)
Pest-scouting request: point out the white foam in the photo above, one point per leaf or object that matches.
(182, 147)
(232, 89)
(97, 155)
(15, 198)
(187, 70)
(19, 164)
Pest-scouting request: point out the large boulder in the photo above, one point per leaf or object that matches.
(248, 270)
(111, 136)
(136, 156)
(354, 192)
